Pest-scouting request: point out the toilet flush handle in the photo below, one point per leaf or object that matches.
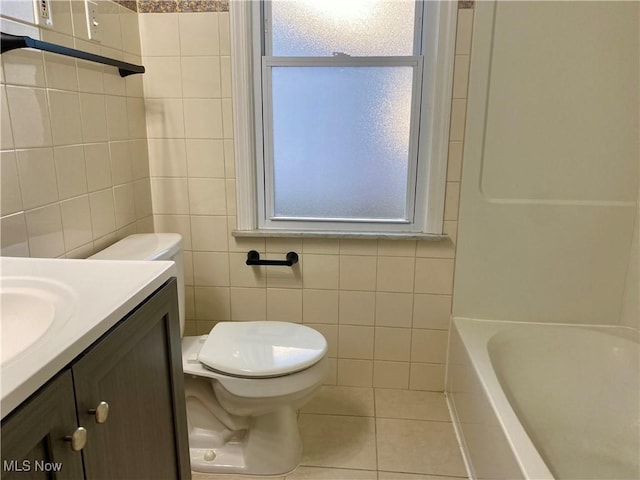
(101, 412)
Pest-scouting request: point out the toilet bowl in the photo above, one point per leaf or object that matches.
(244, 381)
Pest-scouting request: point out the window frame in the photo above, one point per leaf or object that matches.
(437, 54)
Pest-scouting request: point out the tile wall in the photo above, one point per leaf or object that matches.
(75, 174)
(383, 305)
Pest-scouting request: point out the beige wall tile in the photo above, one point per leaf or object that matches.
(460, 76)
(13, 236)
(355, 342)
(44, 228)
(159, 34)
(76, 222)
(66, 122)
(103, 216)
(451, 202)
(22, 67)
(212, 303)
(395, 274)
(211, 269)
(167, 157)
(454, 162)
(357, 308)
(205, 158)
(321, 271)
(429, 346)
(70, 171)
(117, 121)
(225, 77)
(203, 118)
(393, 309)
(130, 30)
(165, 117)
(201, 77)
(170, 195)
(137, 118)
(162, 78)
(355, 373)
(207, 196)
(397, 248)
(120, 155)
(458, 116)
(90, 76)
(6, 131)
(29, 112)
(431, 311)
(284, 277)
(350, 246)
(426, 376)
(320, 306)
(224, 33)
(142, 199)
(37, 172)
(392, 344)
(139, 159)
(11, 197)
(110, 32)
(321, 245)
(199, 34)
(248, 304)
(391, 374)
(209, 233)
(357, 272)
(284, 304)
(94, 117)
(61, 71)
(124, 204)
(464, 31)
(98, 166)
(434, 275)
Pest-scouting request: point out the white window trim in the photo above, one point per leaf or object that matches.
(439, 33)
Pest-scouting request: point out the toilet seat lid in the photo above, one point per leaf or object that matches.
(261, 349)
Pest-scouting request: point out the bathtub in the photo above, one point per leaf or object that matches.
(545, 401)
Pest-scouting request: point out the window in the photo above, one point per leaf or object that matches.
(342, 114)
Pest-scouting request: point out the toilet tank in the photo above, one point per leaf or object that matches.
(151, 246)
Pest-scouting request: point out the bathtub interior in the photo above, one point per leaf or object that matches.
(576, 393)
(498, 444)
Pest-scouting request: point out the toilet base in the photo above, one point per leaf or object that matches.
(271, 446)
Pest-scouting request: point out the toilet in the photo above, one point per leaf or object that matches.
(244, 381)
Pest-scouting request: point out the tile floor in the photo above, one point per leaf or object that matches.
(353, 433)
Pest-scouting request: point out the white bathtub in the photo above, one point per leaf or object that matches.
(545, 401)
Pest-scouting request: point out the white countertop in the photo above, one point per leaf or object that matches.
(104, 291)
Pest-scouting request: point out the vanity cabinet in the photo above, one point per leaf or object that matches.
(126, 391)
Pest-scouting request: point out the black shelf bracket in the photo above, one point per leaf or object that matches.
(12, 42)
(253, 258)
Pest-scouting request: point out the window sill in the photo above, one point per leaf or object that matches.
(329, 234)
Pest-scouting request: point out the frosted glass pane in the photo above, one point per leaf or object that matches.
(341, 141)
(354, 27)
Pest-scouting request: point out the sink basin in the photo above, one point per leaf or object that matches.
(29, 307)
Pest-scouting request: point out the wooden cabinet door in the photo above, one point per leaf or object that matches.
(33, 445)
(136, 368)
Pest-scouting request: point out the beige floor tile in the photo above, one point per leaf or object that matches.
(411, 405)
(412, 476)
(319, 473)
(335, 400)
(338, 441)
(413, 446)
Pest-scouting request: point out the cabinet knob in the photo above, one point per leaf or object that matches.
(101, 412)
(78, 439)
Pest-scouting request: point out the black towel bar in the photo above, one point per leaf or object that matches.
(253, 258)
(11, 42)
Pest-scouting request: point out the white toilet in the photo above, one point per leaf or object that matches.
(244, 382)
